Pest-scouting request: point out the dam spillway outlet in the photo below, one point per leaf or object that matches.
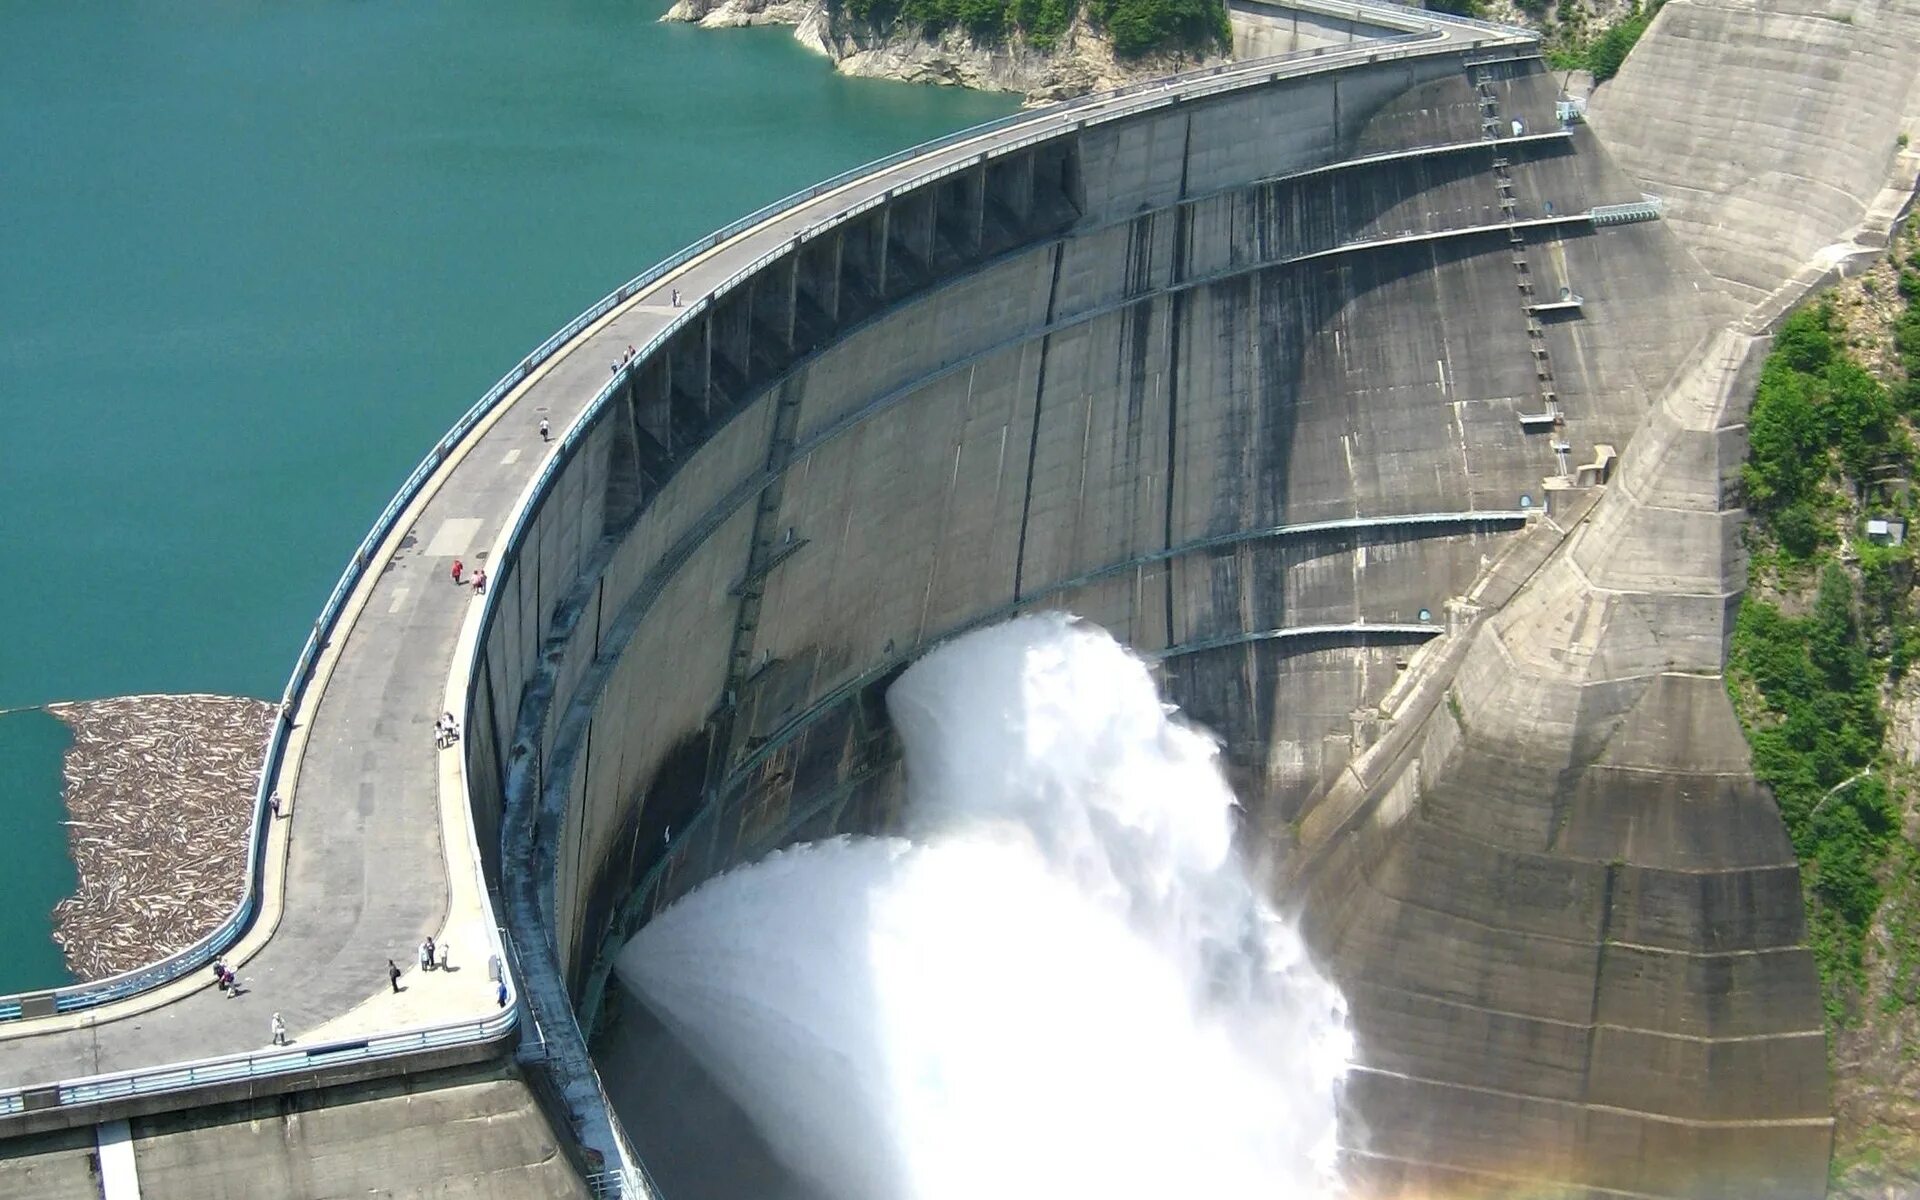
(1058, 979)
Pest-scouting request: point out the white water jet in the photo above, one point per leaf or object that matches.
(1060, 982)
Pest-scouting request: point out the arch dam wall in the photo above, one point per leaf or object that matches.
(1251, 380)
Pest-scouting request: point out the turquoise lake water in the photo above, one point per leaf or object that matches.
(258, 257)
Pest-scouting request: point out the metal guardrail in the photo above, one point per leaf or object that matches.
(212, 1072)
(1647, 208)
(1391, 15)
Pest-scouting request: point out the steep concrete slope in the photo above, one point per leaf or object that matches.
(1179, 422)
(1767, 125)
(1262, 382)
(1568, 918)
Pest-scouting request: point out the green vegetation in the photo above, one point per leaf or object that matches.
(1824, 436)
(1572, 48)
(1819, 734)
(1136, 26)
(1906, 331)
(1610, 49)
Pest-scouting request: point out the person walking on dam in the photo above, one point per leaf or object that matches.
(544, 427)
(426, 955)
(393, 976)
(279, 1031)
(458, 567)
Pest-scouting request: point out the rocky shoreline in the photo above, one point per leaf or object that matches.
(1081, 61)
(159, 793)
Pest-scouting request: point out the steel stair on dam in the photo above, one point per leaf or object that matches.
(1550, 417)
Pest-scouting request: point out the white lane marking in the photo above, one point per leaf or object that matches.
(455, 535)
(119, 1175)
(512, 456)
(399, 598)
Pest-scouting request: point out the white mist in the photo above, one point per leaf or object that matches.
(1061, 982)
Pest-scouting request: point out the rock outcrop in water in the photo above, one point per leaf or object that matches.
(1081, 61)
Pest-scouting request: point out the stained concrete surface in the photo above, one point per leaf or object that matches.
(472, 1133)
(1766, 125)
(1174, 374)
(1574, 920)
(1565, 912)
(696, 1142)
(59, 1166)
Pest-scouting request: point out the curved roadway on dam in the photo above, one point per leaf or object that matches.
(377, 849)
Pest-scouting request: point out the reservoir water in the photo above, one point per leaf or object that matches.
(258, 257)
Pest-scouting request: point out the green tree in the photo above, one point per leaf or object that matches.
(1609, 51)
(1805, 340)
(1859, 416)
(1786, 440)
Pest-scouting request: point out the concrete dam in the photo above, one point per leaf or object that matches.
(1388, 403)
(1366, 397)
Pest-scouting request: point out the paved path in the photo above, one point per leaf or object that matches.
(375, 845)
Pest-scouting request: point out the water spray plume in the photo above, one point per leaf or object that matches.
(1060, 981)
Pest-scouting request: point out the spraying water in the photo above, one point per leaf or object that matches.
(1061, 981)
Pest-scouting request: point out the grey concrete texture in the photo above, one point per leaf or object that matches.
(1087, 479)
(1767, 125)
(1261, 30)
(53, 1166)
(470, 1133)
(1570, 885)
(475, 1134)
(1588, 727)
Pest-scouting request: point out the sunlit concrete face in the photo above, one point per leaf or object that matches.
(1258, 413)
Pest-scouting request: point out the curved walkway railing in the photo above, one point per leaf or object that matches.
(260, 1064)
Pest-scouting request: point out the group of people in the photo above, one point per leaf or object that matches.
(459, 569)
(626, 358)
(434, 958)
(446, 731)
(228, 981)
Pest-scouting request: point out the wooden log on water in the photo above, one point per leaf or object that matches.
(159, 793)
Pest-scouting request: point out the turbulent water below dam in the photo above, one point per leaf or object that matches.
(1060, 979)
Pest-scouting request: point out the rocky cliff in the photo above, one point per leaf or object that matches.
(1081, 60)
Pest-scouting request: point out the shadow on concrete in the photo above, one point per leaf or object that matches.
(695, 1141)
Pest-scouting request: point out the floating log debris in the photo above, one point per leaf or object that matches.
(160, 792)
